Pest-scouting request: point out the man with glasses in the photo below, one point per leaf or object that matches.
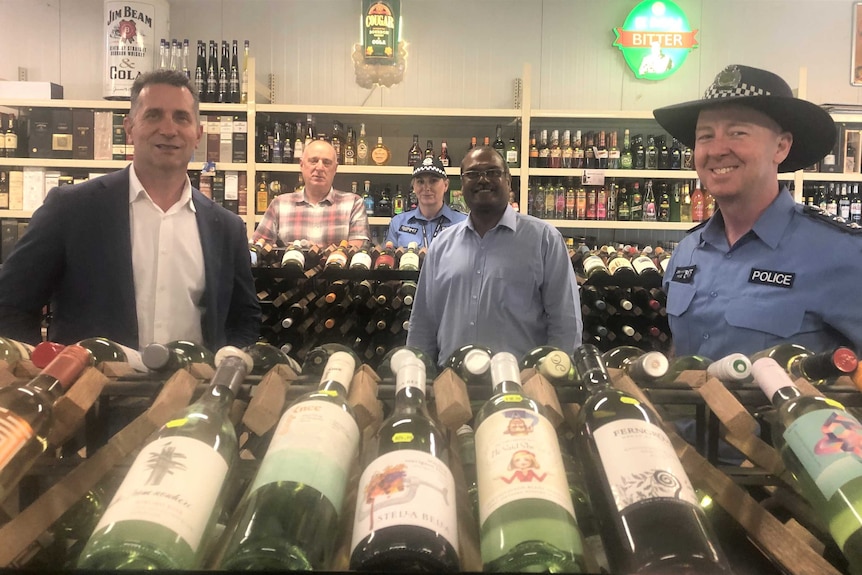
(318, 213)
(499, 278)
(432, 216)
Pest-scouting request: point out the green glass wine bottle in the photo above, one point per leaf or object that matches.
(642, 366)
(406, 517)
(818, 368)
(288, 517)
(527, 521)
(103, 349)
(12, 351)
(636, 483)
(170, 497)
(819, 442)
(551, 362)
(25, 414)
(472, 363)
(174, 355)
(467, 451)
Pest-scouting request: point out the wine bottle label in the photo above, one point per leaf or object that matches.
(641, 464)
(642, 264)
(361, 260)
(174, 482)
(133, 357)
(593, 263)
(409, 261)
(406, 487)
(314, 443)
(293, 257)
(518, 457)
(827, 443)
(15, 432)
(619, 262)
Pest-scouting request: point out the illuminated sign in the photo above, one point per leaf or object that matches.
(655, 39)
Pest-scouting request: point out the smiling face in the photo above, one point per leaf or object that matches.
(737, 152)
(163, 125)
(485, 181)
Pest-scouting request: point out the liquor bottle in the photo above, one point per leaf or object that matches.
(620, 439)
(350, 148)
(368, 199)
(649, 203)
(233, 80)
(102, 349)
(499, 144)
(212, 75)
(298, 143)
(171, 496)
(362, 147)
(380, 154)
(663, 153)
(277, 143)
(639, 153)
(410, 259)
(534, 151)
(613, 151)
(624, 213)
(685, 214)
(855, 205)
(636, 203)
(429, 149)
(601, 151)
(287, 517)
(472, 363)
(467, 451)
(552, 362)
(337, 140)
(578, 151)
(590, 161)
(813, 435)
(406, 472)
(472, 143)
(675, 155)
(818, 368)
(663, 211)
(25, 414)
(174, 355)
(223, 73)
(414, 155)
(527, 521)
(444, 155)
(544, 150)
(642, 366)
(697, 203)
(512, 152)
(200, 79)
(687, 158)
(244, 83)
(398, 201)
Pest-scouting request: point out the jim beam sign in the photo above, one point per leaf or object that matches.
(381, 29)
(131, 30)
(655, 39)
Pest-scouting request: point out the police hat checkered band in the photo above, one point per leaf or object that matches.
(728, 84)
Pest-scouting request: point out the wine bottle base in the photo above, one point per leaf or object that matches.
(536, 557)
(277, 557)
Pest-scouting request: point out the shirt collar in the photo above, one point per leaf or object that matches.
(769, 227)
(509, 220)
(302, 199)
(444, 212)
(136, 190)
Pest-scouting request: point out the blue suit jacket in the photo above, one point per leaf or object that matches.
(77, 255)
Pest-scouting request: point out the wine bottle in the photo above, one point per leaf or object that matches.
(472, 363)
(818, 441)
(294, 257)
(288, 517)
(406, 517)
(527, 522)
(637, 484)
(44, 353)
(174, 355)
(818, 368)
(732, 368)
(103, 349)
(170, 498)
(266, 356)
(316, 359)
(551, 362)
(409, 259)
(642, 366)
(394, 358)
(12, 351)
(25, 414)
(467, 451)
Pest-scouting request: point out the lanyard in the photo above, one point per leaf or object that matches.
(434, 235)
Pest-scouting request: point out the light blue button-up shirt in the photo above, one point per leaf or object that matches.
(512, 290)
(412, 226)
(793, 278)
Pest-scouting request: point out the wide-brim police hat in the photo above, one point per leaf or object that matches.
(813, 129)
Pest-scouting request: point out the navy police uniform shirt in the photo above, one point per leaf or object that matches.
(795, 277)
(412, 226)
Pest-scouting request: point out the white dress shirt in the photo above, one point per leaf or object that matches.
(168, 266)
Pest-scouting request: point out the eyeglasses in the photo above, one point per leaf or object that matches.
(492, 174)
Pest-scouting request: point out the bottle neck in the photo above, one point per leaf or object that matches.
(506, 387)
(44, 383)
(217, 398)
(332, 387)
(785, 394)
(410, 399)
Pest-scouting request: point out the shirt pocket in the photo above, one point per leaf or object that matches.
(771, 315)
(679, 297)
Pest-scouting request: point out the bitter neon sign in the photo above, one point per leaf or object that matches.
(655, 39)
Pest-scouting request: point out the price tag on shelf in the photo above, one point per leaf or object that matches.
(593, 178)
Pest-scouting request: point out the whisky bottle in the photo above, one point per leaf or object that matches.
(11, 137)
(262, 194)
(613, 151)
(664, 204)
(406, 473)
(287, 518)
(380, 154)
(444, 155)
(200, 78)
(233, 75)
(362, 148)
(499, 144)
(638, 153)
(626, 161)
(350, 148)
(527, 521)
(243, 95)
(414, 155)
(25, 414)
(429, 149)
(512, 152)
(171, 496)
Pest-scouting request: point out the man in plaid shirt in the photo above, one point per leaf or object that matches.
(318, 213)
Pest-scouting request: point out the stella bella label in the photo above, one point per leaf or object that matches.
(130, 39)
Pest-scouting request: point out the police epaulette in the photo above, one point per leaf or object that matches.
(819, 214)
(697, 227)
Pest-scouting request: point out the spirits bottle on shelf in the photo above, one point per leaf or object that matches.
(414, 155)
(816, 438)
(162, 514)
(362, 151)
(618, 439)
(380, 155)
(26, 412)
(527, 521)
(406, 473)
(288, 516)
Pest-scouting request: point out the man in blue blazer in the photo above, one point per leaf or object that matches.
(138, 255)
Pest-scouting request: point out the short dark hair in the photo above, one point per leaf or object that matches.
(482, 148)
(163, 76)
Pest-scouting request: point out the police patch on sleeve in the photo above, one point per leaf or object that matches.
(684, 275)
(408, 229)
(771, 278)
